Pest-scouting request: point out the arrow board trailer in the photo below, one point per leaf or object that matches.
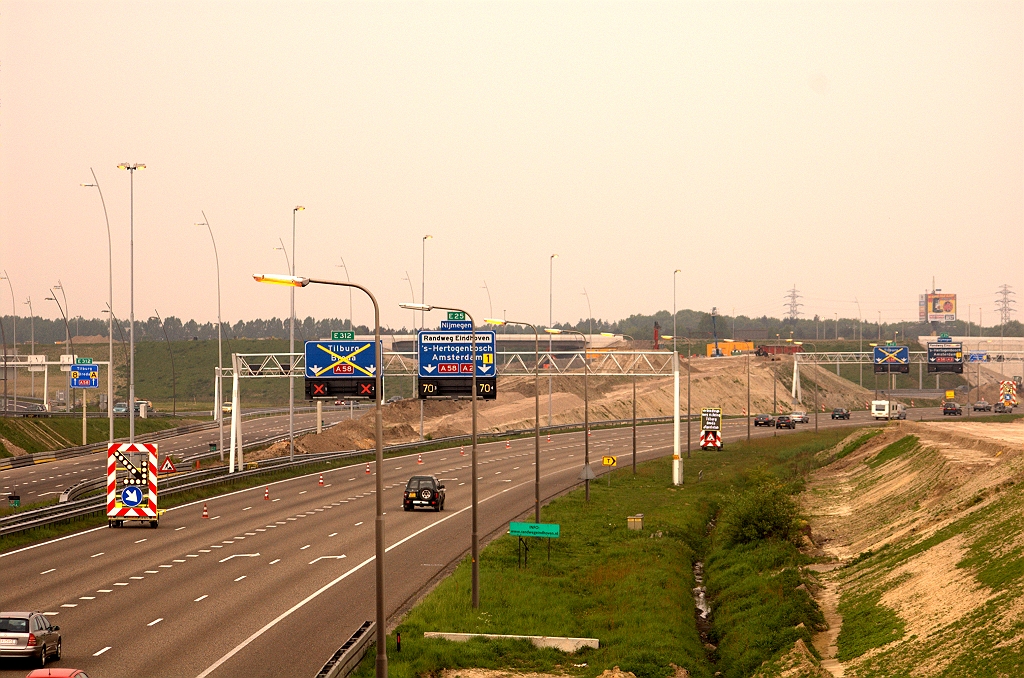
(711, 419)
(446, 363)
(889, 359)
(134, 497)
(340, 369)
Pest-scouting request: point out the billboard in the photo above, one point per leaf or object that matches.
(945, 356)
(922, 308)
(941, 307)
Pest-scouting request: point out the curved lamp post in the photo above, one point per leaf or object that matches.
(536, 405)
(379, 550)
(110, 325)
(219, 395)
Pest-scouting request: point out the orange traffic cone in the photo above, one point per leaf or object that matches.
(508, 444)
(462, 450)
(266, 494)
(321, 481)
(419, 458)
(588, 431)
(549, 437)
(197, 464)
(206, 514)
(367, 469)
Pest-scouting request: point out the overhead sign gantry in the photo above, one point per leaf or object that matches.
(446, 361)
(340, 368)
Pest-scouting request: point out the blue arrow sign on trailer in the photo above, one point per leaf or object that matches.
(444, 353)
(85, 376)
(340, 359)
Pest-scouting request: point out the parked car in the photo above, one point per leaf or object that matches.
(785, 421)
(982, 406)
(800, 417)
(226, 408)
(423, 492)
(57, 673)
(764, 420)
(340, 403)
(952, 409)
(1000, 408)
(29, 635)
(120, 408)
(840, 413)
(394, 399)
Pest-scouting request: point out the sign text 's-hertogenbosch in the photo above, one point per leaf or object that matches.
(945, 356)
(449, 354)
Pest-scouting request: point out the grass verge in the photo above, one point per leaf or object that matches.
(47, 434)
(631, 590)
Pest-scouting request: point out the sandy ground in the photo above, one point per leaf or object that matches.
(854, 508)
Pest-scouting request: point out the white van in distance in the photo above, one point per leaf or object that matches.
(888, 409)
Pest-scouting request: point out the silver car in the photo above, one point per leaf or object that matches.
(800, 417)
(29, 635)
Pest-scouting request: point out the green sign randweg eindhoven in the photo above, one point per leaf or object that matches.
(547, 530)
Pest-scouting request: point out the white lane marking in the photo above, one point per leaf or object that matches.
(177, 560)
(333, 534)
(305, 547)
(261, 529)
(216, 546)
(247, 508)
(155, 621)
(70, 605)
(105, 591)
(239, 555)
(326, 558)
(97, 654)
(139, 541)
(213, 518)
(166, 566)
(462, 484)
(273, 500)
(136, 577)
(52, 569)
(202, 597)
(178, 529)
(250, 534)
(359, 523)
(120, 583)
(96, 555)
(276, 560)
(192, 555)
(204, 550)
(240, 578)
(304, 492)
(88, 598)
(51, 614)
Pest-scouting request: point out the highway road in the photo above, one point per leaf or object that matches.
(47, 480)
(273, 588)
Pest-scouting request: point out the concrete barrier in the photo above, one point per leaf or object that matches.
(557, 642)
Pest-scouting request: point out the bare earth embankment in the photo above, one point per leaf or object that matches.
(924, 525)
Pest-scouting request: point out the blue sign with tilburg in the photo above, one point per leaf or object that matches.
(446, 353)
(85, 376)
(340, 359)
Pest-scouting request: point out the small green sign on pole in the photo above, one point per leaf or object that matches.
(343, 336)
(83, 361)
(456, 315)
(546, 530)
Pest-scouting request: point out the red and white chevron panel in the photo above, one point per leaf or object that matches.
(115, 509)
(710, 440)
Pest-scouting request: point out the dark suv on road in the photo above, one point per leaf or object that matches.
(784, 421)
(29, 634)
(840, 413)
(764, 420)
(423, 492)
(952, 409)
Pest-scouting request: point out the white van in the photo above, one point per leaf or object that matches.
(888, 409)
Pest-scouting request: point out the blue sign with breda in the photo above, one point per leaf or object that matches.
(449, 352)
(340, 359)
(85, 376)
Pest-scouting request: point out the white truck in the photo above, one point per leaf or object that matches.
(888, 409)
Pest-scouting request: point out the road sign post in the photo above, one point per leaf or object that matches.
(711, 428)
(547, 531)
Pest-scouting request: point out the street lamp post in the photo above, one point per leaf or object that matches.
(174, 382)
(110, 324)
(536, 405)
(67, 338)
(32, 325)
(14, 311)
(291, 350)
(586, 409)
(423, 308)
(551, 306)
(67, 334)
(423, 300)
(131, 168)
(379, 550)
(219, 395)
(351, 322)
(675, 333)
(633, 370)
(799, 343)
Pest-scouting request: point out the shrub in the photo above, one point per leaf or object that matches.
(765, 511)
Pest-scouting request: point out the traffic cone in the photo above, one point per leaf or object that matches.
(206, 514)
(588, 432)
(266, 494)
(462, 450)
(197, 464)
(549, 437)
(419, 458)
(508, 444)
(367, 469)
(320, 482)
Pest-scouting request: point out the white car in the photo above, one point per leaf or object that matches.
(800, 417)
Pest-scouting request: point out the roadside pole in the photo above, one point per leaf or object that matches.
(677, 462)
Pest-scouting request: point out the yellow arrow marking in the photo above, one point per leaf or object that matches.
(343, 359)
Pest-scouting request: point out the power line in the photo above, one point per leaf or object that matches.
(794, 306)
(1003, 302)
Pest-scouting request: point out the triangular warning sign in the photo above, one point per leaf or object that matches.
(167, 466)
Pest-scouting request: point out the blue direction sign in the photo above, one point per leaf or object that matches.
(892, 359)
(340, 359)
(85, 376)
(977, 357)
(131, 496)
(446, 353)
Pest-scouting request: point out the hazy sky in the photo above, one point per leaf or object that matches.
(854, 149)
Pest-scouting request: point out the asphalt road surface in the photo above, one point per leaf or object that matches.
(273, 588)
(47, 480)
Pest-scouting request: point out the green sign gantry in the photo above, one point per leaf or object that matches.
(545, 530)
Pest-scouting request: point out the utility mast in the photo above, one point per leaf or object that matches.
(794, 306)
(1003, 302)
